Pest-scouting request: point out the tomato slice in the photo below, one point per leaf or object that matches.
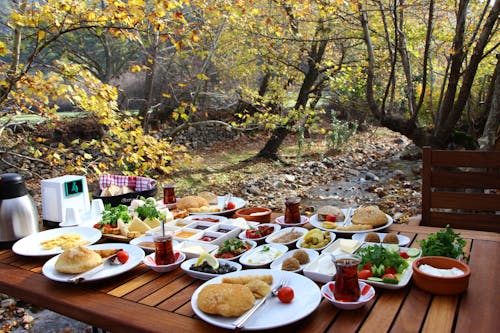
(365, 274)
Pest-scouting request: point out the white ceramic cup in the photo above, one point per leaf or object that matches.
(96, 208)
(72, 217)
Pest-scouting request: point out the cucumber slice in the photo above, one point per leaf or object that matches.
(392, 248)
(413, 252)
(375, 279)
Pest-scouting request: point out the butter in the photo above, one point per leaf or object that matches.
(349, 245)
(193, 249)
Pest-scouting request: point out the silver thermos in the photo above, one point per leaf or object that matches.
(18, 213)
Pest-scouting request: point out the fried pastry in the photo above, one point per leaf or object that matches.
(77, 260)
(258, 288)
(106, 252)
(191, 201)
(227, 300)
(369, 215)
(244, 279)
(355, 227)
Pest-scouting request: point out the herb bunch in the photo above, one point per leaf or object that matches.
(446, 243)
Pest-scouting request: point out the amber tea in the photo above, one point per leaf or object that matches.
(346, 282)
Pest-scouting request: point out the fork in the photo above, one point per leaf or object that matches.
(243, 319)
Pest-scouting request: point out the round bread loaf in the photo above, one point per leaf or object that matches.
(77, 260)
(324, 211)
(191, 201)
(369, 215)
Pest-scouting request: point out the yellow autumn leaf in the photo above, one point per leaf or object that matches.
(166, 95)
(87, 156)
(201, 76)
(135, 68)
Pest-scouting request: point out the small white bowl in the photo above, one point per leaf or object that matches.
(276, 264)
(301, 241)
(281, 221)
(260, 240)
(270, 239)
(252, 245)
(149, 261)
(322, 269)
(251, 258)
(193, 249)
(186, 265)
(367, 294)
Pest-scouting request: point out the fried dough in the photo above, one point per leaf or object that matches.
(369, 215)
(106, 252)
(191, 201)
(244, 279)
(77, 260)
(227, 300)
(355, 227)
(258, 288)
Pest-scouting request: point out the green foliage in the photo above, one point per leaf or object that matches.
(340, 132)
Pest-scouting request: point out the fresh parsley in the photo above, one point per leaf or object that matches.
(446, 243)
(111, 215)
(148, 210)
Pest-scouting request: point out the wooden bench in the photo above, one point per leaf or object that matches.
(461, 188)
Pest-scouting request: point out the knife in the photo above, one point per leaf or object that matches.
(85, 275)
(242, 320)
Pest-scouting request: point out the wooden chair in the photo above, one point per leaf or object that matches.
(461, 188)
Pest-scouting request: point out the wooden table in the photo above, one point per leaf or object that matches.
(145, 301)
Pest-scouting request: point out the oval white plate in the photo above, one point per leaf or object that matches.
(206, 276)
(136, 254)
(276, 227)
(30, 245)
(250, 255)
(276, 264)
(254, 244)
(317, 223)
(403, 240)
(321, 269)
(273, 313)
(301, 240)
(238, 202)
(270, 238)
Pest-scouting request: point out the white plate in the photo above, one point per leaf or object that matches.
(276, 227)
(270, 238)
(206, 276)
(148, 238)
(30, 245)
(250, 257)
(317, 223)
(281, 221)
(238, 202)
(403, 240)
(136, 254)
(405, 276)
(276, 264)
(273, 313)
(203, 217)
(301, 240)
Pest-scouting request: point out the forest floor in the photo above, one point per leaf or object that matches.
(376, 166)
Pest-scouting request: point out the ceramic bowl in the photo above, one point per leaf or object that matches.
(149, 261)
(367, 294)
(275, 228)
(439, 285)
(300, 243)
(186, 267)
(257, 214)
(291, 242)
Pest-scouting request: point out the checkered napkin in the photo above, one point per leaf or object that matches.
(135, 182)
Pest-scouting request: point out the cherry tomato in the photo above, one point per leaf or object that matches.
(122, 256)
(97, 226)
(286, 294)
(331, 218)
(368, 266)
(390, 270)
(230, 205)
(404, 255)
(365, 274)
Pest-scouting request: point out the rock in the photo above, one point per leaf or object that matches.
(8, 303)
(371, 176)
(398, 175)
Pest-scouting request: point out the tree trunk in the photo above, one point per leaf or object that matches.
(454, 109)
(270, 149)
(492, 126)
